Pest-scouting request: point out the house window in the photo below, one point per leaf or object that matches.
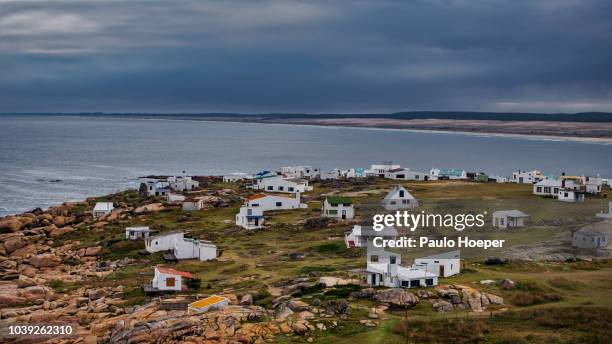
(255, 205)
(401, 193)
(429, 281)
(405, 283)
(281, 188)
(406, 201)
(270, 188)
(539, 189)
(392, 202)
(415, 283)
(279, 204)
(170, 282)
(392, 259)
(566, 194)
(374, 258)
(290, 189)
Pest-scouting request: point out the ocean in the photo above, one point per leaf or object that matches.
(46, 160)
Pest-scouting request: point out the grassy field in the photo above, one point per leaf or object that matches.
(254, 261)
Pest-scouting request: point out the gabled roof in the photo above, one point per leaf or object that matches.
(408, 273)
(170, 271)
(597, 228)
(335, 200)
(396, 189)
(397, 170)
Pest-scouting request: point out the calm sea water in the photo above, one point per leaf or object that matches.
(48, 160)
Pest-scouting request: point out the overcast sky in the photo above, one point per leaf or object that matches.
(305, 56)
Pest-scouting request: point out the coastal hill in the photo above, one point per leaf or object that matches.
(295, 281)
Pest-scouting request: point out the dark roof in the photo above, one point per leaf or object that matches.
(335, 200)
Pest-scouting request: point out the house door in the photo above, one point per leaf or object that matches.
(441, 271)
(344, 214)
(256, 221)
(373, 279)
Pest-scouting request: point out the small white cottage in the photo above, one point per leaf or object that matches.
(181, 247)
(509, 219)
(571, 195)
(168, 279)
(547, 188)
(102, 209)
(595, 235)
(182, 183)
(137, 233)
(193, 204)
(399, 198)
(405, 174)
(338, 207)
(250, 218)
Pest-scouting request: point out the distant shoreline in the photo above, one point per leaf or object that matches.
(458, 128)
(538, 129)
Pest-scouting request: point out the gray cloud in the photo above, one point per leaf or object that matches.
(305, 56)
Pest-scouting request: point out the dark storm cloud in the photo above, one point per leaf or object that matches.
(305, 56)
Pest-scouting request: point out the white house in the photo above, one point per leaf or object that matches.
(167, 279)
(338, 207)
(509, 219)
(280, 184)
(237, 176)
(447, 173)
(443, 265)
(547, 188)
(384, 269)
(250, 218)
(571, 195)
(102, 208)
(182, 248)
(381, 267)
(137, 233)
(163, 241)
(193, 204)
(606, 213)
(405, 174)
(399, 198)
(195, 249)
(182, 183)
(293, 172)
(154, 188)
(527, 177)
(213, 302)
(251, 215)
(379, 170)
(593, 184)
(595, 235)
(360, 236)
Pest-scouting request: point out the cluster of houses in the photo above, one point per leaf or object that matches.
(568, 188)
(173, 190)
(385, 268)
